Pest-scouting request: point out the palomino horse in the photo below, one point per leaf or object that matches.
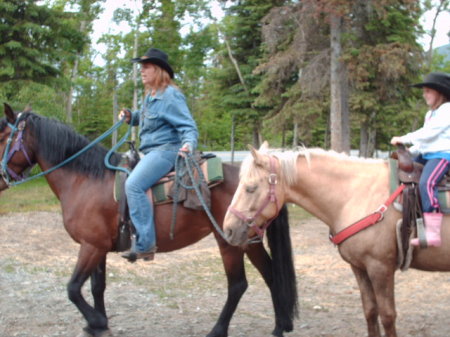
(90, 215)
(339, 190)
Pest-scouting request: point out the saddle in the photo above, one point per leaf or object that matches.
(165, 190)
(406, 171)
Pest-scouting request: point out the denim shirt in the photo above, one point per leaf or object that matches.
(165, 122)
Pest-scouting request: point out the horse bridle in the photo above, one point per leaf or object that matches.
(270, 198)
(6, 173)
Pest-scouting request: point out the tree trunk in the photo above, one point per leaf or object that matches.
(233, 128)
(73, 77)
(368, 136)
(256, 136)
(339, 114)
(363, 140)
(295, 135)
(371, 142)
(441, 7)
(115, 113)
(135, 79)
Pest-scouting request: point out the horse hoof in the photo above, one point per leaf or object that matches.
(104, 333)
(277, 332)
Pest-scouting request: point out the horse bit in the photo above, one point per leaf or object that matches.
(271, 197)
(5, 172)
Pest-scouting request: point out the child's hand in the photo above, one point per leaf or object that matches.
(396, 140)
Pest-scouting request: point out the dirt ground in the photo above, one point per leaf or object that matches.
(181, 293)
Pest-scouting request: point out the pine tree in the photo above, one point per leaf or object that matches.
(34, 40)
(235, 81)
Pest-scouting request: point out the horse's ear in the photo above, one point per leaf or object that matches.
(257, 157)
(9, 113)
(264, 146)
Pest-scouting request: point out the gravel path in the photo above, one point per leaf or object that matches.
(181, 293)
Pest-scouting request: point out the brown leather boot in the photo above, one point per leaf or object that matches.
(132, 256)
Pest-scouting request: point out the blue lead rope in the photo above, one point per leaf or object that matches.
(83, 150)
(114, 148)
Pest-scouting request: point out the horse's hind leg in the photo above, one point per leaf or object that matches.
(89, 259)
(369, 301)
(233, 261)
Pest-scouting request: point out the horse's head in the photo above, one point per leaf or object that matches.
(14, 158)
(258, 198)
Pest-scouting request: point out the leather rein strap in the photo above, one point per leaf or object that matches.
(271, 197)
(369, 220)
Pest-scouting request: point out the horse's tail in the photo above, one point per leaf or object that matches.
(283, 271)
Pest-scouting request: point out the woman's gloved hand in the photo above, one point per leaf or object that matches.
(126, 115)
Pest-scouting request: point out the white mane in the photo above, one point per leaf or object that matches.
(288, 161)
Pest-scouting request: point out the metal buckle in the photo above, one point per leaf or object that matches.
(381, 209)
(4, 175)
(21, 125)
(273, 179)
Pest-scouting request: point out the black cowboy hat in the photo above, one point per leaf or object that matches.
(437, 81)
(158, 57)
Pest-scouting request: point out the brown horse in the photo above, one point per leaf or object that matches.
(84, 187)
(339, 190)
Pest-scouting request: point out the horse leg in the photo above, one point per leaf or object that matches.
(263, 263)
(369, 301)
(382, 278)
(89, 259)
(98, 286)
(233, 261)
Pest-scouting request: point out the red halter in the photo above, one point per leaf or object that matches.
(271, 197)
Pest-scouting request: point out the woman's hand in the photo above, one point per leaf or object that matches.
(125, 114)
(186, 148)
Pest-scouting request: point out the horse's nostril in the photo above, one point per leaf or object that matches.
(228, 234)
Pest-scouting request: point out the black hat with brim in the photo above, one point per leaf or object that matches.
(438, 81)
(158, 57)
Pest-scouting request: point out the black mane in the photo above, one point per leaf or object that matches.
(55, 141)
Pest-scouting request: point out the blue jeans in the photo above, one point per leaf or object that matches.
(150, 169)
(433, 171)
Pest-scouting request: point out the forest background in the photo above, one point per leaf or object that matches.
(323, 73)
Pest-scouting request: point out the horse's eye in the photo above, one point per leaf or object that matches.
(251, 189)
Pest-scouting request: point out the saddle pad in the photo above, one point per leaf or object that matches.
(443, 193)
(212, 171)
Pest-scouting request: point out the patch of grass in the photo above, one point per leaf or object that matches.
(297, 213)
(34, 195)
(9, 268)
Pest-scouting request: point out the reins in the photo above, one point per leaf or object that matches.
(19, 125)
(189, 164)
(270, 198)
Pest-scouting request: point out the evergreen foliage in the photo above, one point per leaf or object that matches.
(34, 40)
(263, 69)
